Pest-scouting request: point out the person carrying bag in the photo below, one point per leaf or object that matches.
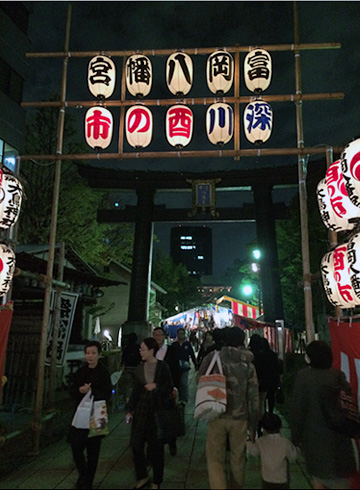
(91, 389)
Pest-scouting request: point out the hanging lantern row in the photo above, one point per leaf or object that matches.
(340, 271)
(338, 194)
(7, 268)
(11, 192)
(179, 122)
(180, 73)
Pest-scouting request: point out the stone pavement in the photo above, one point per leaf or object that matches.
(54, 468)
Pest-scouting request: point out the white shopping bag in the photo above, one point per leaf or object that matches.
(82, 415)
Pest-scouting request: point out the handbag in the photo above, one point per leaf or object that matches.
(81, 419)
(210, 400)
(99, 420)
(340, 411)
(170, 424)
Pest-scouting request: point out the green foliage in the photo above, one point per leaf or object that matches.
(78, 204)
(182, 289)
(240, 275)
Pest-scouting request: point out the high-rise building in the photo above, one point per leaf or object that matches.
(192, 246)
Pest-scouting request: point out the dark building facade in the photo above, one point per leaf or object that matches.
(192, 246)
(14, 43)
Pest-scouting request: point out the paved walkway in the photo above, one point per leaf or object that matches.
(54, 468)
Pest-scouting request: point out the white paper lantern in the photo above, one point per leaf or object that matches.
(339, 199)
(340, 265)
(11, 192)
(7, 268)
(220, 72)
(350, 165)
(139, 126)
(257, 70)
(179, 125)
(329, 280)
(220, 123)
(258, 121)
(101, 76)
(330, 219)
(98, 127)
(138, 75)
(179, 73)
(353, 258)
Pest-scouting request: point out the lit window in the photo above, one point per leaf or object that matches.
(200, 257)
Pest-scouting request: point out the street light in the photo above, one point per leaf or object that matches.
(247, 290)
(257, 254)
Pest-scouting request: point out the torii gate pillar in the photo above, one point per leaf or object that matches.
(141, 267)
(269, 264)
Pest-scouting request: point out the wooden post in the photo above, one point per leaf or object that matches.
(309, 324)
(36, 426)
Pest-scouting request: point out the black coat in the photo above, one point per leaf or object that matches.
(172, 360)
(143, 403)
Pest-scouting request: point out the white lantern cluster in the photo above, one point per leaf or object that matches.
(258, 118)
(11, 193)
(7, 268)
(339, 205)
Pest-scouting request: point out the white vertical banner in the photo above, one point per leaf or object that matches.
(67, 312)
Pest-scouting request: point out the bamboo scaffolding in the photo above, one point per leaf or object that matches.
(251, 152)
(191, 51)
(187, 101)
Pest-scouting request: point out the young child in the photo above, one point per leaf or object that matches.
(275, 452)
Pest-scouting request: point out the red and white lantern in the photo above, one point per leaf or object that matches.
(339, 198)
(179, 125)
(98, 127)
(330, 220)
(353, 257)
(11, 192)
(257, 70)
(220, 72)
(350, 165)
(327, 273)
(179, 73)
(101, 76)
(7, 268)
(139, 126)
(258, 121)
(138, 75)
(220, 123)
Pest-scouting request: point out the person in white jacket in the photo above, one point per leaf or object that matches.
(275, 453)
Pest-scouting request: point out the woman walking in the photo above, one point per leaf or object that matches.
(93, 375)
(329, 455)
(152, 391)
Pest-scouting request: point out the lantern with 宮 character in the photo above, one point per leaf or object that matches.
(98, 127)
(179, 125)
(138, 75)
(179, 73)
(257, 70)
(220, 123)
(101, 76)
(350, 166)
(7, 268)
(258, 121)
(139, 126)
(220, 72)
(11, 192)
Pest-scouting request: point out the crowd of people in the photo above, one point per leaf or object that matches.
(157, 372)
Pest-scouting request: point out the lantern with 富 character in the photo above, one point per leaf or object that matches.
(11, 192)
(179, 125)
(257, 70)
(179, 73)
(220, 123)
(98, 127)
(7, 268)
(258, 121)
(101, 76)
(220, 72)
(138, 75)
(139, 126)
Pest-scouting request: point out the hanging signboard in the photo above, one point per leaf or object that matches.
(67, 312)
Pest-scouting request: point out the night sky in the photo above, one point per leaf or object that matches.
(105, 26)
